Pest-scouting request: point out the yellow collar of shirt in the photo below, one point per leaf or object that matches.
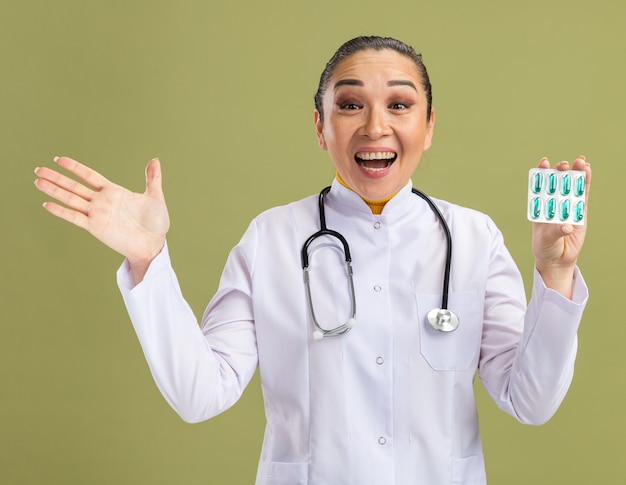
(376, 206)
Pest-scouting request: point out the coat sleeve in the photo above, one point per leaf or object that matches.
(200, 371)
(528, 353)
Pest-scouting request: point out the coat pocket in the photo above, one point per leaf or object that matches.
(457, 350)
(280, 473)
(469, 471)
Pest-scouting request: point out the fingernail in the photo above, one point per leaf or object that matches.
(44, 205)
(56, 159)
(36, 169)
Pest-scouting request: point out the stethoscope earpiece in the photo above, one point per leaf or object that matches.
(320, 333)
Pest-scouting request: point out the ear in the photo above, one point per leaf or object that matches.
(430, 130)
(319, 130)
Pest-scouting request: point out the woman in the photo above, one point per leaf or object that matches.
(390, 400)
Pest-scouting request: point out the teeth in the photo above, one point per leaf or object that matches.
(373, 169)
(375, 155)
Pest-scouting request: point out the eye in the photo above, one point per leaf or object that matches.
(399, 106)
(349, 106)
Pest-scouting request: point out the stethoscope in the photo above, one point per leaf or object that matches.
(441, 319)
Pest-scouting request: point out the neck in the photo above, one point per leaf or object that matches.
(376, 206)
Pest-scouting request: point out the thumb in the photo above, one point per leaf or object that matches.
(153, 178)
(566, 229)
(545, 235)
(556, 231)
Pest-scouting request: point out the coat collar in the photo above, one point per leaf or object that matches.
(345, 197)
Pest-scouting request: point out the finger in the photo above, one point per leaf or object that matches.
(154, 180)
(83, 172)
(564, 165)
(64, 182)
(581, 164)
(72, 216)
(543, 163)
(68, 198)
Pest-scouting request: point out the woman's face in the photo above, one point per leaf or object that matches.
(375, 127)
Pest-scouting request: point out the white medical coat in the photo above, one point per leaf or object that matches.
(391, 402)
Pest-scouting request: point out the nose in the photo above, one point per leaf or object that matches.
(376, 124)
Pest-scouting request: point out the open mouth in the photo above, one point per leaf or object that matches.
(375, 161)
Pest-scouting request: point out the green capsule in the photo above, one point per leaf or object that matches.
(537, 182)
(551, 208)
(565, 210)
(552, 182)
(579, 189)
(536, 208)
(579, 211)
(566, 184)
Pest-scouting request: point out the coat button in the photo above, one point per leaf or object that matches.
(377, 225)
(380, 360)
(382, 441)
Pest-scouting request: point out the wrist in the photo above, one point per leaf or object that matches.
(557, 277)
(139, 264)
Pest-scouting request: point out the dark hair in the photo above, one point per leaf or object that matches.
(376, 43)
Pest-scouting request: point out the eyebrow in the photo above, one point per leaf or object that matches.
(357, 82)
(402, 82)
(348, 82)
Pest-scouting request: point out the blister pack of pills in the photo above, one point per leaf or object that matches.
(556, 196)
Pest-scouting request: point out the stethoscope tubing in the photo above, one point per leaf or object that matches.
(324, 231)
(446, 230)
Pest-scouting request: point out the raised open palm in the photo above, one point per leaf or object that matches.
(134, 225)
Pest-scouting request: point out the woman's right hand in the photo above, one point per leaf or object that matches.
(134, 225)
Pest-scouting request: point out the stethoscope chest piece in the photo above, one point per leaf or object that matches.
(443, 320)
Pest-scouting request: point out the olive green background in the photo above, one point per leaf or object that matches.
(222, 93)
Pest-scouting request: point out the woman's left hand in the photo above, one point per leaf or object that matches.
(556, 246)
